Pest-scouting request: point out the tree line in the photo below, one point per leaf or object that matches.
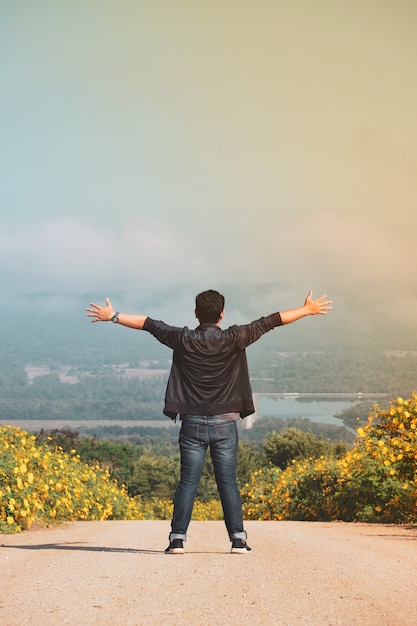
(107, 395)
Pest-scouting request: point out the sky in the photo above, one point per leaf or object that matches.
(146, 144)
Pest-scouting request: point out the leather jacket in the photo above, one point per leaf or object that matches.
(209, 373)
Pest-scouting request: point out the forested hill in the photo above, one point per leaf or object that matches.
(84, 365)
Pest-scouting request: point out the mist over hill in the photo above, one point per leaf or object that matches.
(55, 323)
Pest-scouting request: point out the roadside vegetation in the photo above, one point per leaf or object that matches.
(56, 476)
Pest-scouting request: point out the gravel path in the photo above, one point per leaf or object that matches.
(299, 573)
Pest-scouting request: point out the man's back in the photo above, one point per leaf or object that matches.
(209, 374)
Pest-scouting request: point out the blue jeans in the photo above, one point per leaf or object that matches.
(196, 435)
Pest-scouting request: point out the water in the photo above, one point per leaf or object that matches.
(316, 410)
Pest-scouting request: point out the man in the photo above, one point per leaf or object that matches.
(209, 388)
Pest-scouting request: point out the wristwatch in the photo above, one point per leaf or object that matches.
(115, 318)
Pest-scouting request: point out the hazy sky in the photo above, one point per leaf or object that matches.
(163, 141)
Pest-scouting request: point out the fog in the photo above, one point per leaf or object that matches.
(262, 149)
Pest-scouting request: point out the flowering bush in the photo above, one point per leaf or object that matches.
(41, 484)
(303, 491)
(376, 481)
(378, 478)
(204, 511)
(162, 510)
(37, 483)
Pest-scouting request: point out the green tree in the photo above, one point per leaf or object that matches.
(117, 456)
(294, 444)
(250, 457)
(154, 477)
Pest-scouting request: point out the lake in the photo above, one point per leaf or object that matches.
(319, 409)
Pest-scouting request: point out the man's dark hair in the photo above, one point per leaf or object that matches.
(209, 306)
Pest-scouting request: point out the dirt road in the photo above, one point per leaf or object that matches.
(299, 573)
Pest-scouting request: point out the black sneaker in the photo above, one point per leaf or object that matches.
(240, 547)
(176, 546)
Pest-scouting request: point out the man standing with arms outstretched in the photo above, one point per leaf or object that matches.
(209, 388)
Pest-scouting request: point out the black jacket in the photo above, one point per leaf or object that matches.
(209, 373)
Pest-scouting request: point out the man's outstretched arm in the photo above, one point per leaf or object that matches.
(320, 306)
(106, 313)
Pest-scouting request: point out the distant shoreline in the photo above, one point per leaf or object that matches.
(37, 425)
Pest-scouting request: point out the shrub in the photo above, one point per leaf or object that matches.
(162, 510)
(294, 444)
(39, 483)
(378, 478)
(376, 481)
(303, 491)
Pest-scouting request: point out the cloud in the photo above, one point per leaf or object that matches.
(350, 257)
(156, 267)
(75, 255)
